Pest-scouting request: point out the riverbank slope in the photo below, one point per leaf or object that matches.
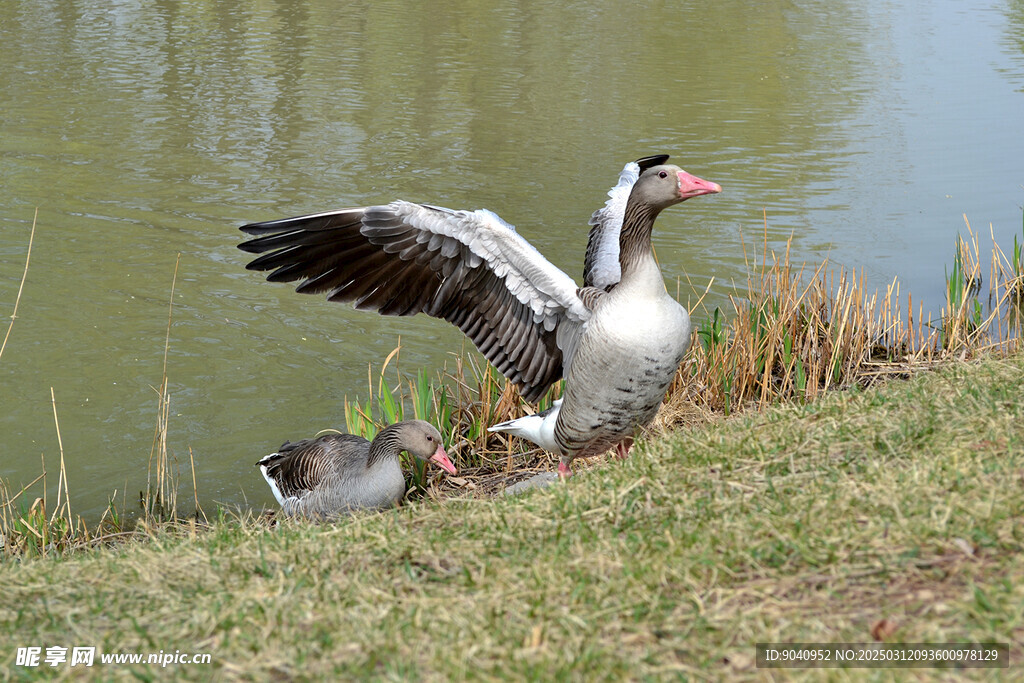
(893, 512)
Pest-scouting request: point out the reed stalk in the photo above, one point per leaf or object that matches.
(160, 499)
(21, 286)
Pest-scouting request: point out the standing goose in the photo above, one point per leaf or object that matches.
(617, 341)
(338, 473)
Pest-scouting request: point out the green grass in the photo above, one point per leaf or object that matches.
(801, 523)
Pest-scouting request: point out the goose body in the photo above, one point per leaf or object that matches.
(625, 360)
(338, 473)
(617, 341)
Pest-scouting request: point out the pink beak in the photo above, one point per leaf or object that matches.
(692, 186)
(440, 458)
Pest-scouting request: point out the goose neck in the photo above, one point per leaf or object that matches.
(385, 445)
(635, 236)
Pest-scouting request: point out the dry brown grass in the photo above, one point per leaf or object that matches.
(798, 332)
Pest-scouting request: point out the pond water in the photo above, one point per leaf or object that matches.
(142, 130)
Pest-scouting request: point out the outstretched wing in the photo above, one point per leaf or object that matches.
(601, 264)
(467, 267)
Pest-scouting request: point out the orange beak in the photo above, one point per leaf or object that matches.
(440, 458)
(692, 186)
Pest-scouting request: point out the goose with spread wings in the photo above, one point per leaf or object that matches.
(617, 340)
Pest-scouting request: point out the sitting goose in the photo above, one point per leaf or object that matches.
(337, 473)
(617, 341)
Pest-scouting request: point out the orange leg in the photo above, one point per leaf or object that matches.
(622, 448)
(563, 469)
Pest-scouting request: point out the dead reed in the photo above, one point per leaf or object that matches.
(798, 332)
(35, 529)
(160, 499)
(21, 287)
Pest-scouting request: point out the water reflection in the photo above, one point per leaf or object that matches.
(1014, 42)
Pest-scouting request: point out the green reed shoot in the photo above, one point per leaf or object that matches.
(396, 400)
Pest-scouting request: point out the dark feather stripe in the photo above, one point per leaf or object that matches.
(311, 223)
(387, 277)
(301, 466)
(635, 237)
(298, 261)
(590, 258)
(373, 258)
(387, 444)
(413, 297)
(372, 283)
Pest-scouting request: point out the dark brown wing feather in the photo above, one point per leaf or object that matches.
(383, 260)
(301, 466)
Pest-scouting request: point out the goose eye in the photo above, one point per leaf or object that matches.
(429, 437)
(662, 174)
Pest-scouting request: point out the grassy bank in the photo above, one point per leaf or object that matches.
(890, 512)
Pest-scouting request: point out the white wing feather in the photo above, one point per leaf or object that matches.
(604, 268)
(530, 277)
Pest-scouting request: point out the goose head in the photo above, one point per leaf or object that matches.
(663, 185)
(423, 441)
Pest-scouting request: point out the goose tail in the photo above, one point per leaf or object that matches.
(539, 428)
(268, 468)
